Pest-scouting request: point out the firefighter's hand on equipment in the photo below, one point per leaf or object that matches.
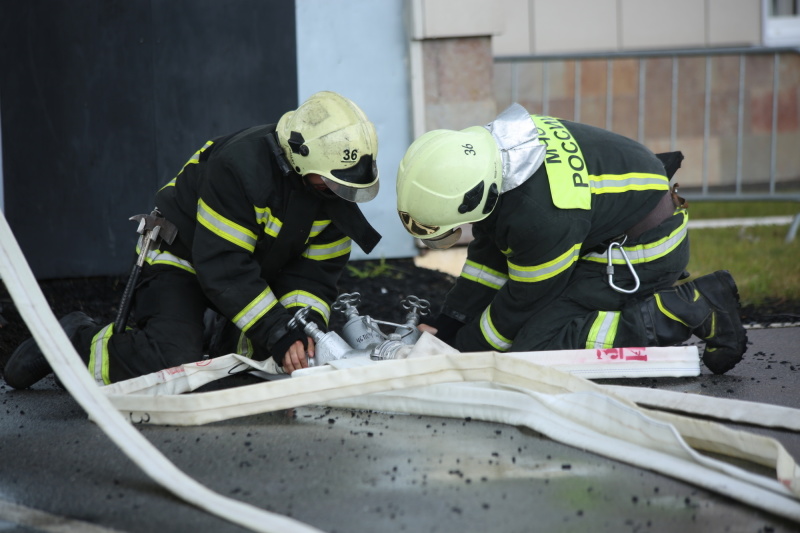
(297, 355)
(426, 328)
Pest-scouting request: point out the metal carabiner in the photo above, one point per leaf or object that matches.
(610, 267)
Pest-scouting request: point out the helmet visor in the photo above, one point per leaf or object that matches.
(352, 194)
(358, 183)
(444, 241)
(362, 174)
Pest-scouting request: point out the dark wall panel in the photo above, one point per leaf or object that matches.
(102, 102)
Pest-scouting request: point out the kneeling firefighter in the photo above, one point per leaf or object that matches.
(260, 223)
(578, 241)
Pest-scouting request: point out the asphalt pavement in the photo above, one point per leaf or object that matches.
(357, 471)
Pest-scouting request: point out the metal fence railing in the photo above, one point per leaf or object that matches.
(737, 104)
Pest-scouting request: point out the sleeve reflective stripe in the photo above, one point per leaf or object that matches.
(321, 252)
(634, 181)
(483, 275)
(221, 226)
(603, 330)
(306, 299)
(318, 227)
(272, 225)
(642, 253)
(158, 257)
(98, 355)
(490, 333)
(255, 310)
(545, 270)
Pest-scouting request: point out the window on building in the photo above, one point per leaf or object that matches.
(781, 22)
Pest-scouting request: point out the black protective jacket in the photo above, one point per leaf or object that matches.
(523, 254)
(257, 238)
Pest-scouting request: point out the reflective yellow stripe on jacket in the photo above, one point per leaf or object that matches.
(192, 161)
(546, 270)
(633, 181)
(318, 227)
(490, 333)
(227, 229)
(321, 252)
(484, 275)
(306, 299)
(272, 225)
(643, 253)
(159, 257)
(255, 310)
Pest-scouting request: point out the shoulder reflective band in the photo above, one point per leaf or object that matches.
(195, 159)
(566, 168)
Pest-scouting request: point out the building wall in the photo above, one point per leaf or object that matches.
(547, 27)
(456, 38)
(625, 94)
(103, 103)
(451, 62)
(362, 52)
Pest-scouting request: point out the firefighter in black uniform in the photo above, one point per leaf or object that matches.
(578, 241)
(265, 218)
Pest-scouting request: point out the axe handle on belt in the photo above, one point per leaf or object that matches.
(153, 228)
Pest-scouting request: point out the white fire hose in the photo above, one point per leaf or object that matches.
(487, 386)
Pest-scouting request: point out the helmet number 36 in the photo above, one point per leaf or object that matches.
(468, 149)
(350, 155)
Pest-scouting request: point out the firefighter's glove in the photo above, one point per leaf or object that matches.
(289, 337)
(447, 328)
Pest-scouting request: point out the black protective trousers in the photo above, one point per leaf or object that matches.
(168, 328)
(566, 323)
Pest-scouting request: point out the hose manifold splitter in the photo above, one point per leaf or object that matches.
(362, 336)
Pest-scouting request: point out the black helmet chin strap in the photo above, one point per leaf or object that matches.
(277, 153)
(491, 199)
(325, 194)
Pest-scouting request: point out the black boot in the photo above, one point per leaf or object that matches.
(28, 364)
(707, 307)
